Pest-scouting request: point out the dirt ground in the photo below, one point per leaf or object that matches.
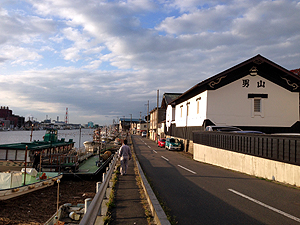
(37, 207)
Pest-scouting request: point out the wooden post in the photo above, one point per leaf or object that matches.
(31, 132)
(25, 165)
(41, 162)
(58, 181)
(157, 120)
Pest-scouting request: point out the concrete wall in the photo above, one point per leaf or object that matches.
(252, 165)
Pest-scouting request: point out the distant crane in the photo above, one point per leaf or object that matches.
(66, 121)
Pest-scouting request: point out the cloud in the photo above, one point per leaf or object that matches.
(106, 59)
(18, 55)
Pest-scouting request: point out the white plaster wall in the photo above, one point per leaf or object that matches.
(229, 105)
(194, 118)
(265, 168)
(169, 116)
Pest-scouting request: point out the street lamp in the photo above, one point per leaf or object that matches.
(123, 125)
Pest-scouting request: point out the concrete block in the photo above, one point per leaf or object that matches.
(297, 176)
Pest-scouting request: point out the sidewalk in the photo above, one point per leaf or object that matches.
(129, 208)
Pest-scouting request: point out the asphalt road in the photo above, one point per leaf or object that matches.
(198, 193)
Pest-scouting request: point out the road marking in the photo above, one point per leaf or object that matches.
(266, 206)
(165, 158)
(187, 169)
(154, 151)
(148, 146)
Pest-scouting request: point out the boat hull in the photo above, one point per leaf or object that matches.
(21, 190)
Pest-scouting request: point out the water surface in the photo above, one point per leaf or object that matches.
(8, 137)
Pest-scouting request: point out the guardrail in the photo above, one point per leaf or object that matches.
(95, 207)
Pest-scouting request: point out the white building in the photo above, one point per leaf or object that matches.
(256, 94)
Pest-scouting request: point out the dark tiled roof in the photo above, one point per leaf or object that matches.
(169, 97)
(36, 145)
(265, 67)
(130, 120)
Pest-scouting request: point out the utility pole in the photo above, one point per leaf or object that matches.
(130, 124)
(147, 118)
(140, 123)
(66, 119)
(123, 126)
(157, 116)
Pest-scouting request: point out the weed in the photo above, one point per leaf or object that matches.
(111, 202)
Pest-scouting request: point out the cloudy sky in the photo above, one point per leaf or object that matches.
(105, 59)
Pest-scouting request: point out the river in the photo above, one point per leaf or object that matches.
(8, 137)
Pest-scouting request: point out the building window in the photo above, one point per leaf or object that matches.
(187, 108)
(198, 105)
(181, 111)
(257, 105)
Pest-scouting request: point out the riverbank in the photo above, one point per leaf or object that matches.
(37, 207)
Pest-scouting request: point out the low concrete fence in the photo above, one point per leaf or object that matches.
(249, 164)
(281, 148)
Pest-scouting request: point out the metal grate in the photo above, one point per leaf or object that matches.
(257, 104)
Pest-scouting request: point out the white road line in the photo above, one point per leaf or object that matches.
(187, 169)
(148, 146)
(266, 206)
(165, 158)
(154, 151)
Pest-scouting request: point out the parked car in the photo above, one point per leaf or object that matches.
(249, 132)
(222, 128)
(173, 144)
(161, 142)
(144, 134)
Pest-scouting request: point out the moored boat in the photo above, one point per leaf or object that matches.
(52, 153)
(92, 146)
(92, 167)
(15, 183)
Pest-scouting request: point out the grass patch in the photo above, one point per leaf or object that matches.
(144, 201)
(111, 204)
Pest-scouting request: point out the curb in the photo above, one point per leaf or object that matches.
(158, 213)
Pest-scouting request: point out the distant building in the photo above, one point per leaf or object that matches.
(9, 120)
(90, 124)
(124, 124)
(141, 126)
(167, 98)
(158, 117)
